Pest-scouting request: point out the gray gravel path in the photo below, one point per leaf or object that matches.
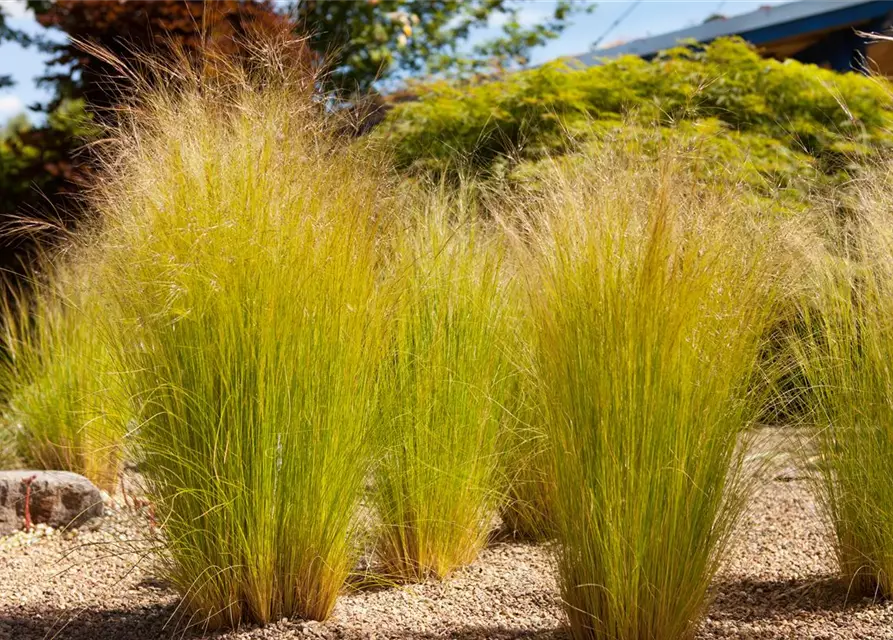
(780, 584)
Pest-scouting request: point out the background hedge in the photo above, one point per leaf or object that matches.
(785, 128)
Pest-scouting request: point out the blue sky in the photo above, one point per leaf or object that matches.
(649, 17)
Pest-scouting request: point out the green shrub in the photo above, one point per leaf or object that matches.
(436, 488)
(845, 353)
(64, 405)
(651, 299)
(240, 246)
(780, 117)
(775, 178)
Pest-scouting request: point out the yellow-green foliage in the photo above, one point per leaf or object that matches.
(9, 459)
(240, 246)
(650, 301)
(528, 482)
(435, 488)
(785, 119)
(776, 177)
(64, 404)
(846, 351)
(528, 488)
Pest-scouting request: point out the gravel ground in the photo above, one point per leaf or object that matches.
(780, 584)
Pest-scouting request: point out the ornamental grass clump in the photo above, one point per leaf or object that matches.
(64, 406)
(436, 487)
(845, 351)
(650, 298)
(240, 245)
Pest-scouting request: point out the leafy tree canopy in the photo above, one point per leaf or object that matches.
(369, 40)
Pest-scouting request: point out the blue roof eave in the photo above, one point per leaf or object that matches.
(759, 27)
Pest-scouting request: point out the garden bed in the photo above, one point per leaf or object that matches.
(780, 583)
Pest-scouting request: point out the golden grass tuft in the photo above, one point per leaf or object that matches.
(239, 245)
(845, 351)
(64, 404)
(650, 297)
(436, 487)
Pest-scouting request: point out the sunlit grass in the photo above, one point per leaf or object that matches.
(436, 487)
(64, 408)
(528, 481)
(846, 355)
(650, 299)
(240, 246)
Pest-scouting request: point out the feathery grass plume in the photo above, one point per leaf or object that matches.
(436, 487)
(650, 299)
(240, 244)
(845, 355)
(64, 406)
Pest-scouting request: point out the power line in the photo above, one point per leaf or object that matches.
(620, 20)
